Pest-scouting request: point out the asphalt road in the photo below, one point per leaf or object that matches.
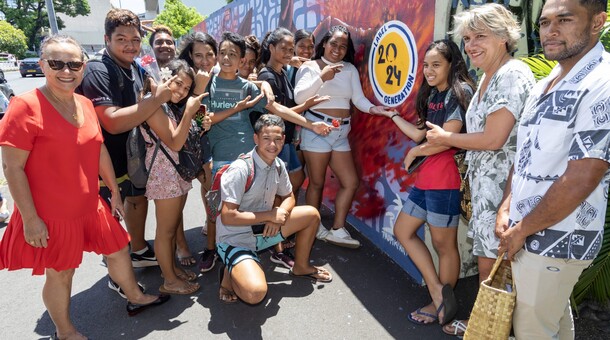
(21, 85)
(369, 297)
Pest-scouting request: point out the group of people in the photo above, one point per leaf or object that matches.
(278, 107)
(537, 156)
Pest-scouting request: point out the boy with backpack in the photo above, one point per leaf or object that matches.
(113, 85)
(248, 222)
(232, 99)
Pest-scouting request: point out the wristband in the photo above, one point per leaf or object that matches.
(394, 115)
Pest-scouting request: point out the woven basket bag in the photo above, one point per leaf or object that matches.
(492, 314)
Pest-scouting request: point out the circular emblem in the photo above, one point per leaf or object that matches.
(534, 245)
(393, 63)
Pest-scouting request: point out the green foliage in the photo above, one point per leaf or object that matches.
(31, 15)
(605, 36)
(540, 66)
(178, 17)
(12, 40)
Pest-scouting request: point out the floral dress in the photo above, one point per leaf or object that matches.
(488, 169)
(164, 182)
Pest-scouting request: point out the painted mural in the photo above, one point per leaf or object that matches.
(390, 37)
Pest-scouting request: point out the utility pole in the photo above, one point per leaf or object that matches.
(52, 18)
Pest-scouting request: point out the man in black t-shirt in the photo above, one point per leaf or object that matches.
(113, 86)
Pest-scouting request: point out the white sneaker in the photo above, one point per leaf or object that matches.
(340, 237)
(322, 233)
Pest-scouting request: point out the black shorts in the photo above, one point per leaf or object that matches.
(126, 188)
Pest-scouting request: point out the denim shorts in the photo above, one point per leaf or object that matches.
(231, 256)
(290, 158)
(336, 140)
(440, 208)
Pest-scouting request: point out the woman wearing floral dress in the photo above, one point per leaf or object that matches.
(490, 36)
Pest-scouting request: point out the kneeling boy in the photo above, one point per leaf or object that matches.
(243, 210)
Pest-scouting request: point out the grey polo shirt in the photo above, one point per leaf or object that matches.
(268, 182)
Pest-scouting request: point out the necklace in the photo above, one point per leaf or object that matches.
(131, 78)
(74, 112)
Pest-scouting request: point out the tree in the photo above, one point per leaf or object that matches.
(31, 15)
(12, 40)
(178, 17)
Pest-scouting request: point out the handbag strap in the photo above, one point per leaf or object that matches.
(497, 264)
(159, 146)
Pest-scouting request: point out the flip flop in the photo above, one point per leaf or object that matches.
(312, 276)
(449, 304)
(459, 328)
(421, 322)
(190, 289)
(187, 275)
(224, 294)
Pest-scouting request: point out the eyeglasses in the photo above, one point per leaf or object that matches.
(59, 65)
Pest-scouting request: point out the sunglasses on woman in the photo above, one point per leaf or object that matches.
(59, 65)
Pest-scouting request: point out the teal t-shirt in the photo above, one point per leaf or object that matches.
(234, 135)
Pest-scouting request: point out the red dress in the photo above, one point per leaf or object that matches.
(62, 171)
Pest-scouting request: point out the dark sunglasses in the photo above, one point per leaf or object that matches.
(59, 65)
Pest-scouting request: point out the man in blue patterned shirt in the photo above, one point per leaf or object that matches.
(552, 216)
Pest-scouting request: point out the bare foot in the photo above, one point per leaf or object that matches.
(179, 287)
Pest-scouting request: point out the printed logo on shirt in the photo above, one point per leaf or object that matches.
(586, 214)
(525, 206)
(585, 71)
(225, 99)
(393, 63)
(601, 112)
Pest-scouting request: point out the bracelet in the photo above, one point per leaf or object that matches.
(394, 115)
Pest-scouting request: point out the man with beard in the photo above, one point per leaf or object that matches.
(552, 216)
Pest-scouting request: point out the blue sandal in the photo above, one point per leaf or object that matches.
(420, 322)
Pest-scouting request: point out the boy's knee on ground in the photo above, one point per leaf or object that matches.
(254, 293)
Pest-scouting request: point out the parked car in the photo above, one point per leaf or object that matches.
(30, 66)
(3, 104)
(5, 88)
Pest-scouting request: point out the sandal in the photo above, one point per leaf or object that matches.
(318, 275)
(457, 328)
(185, 275)
(224, 294)
(433, 318)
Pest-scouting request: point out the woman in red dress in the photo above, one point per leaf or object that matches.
(52, 154)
